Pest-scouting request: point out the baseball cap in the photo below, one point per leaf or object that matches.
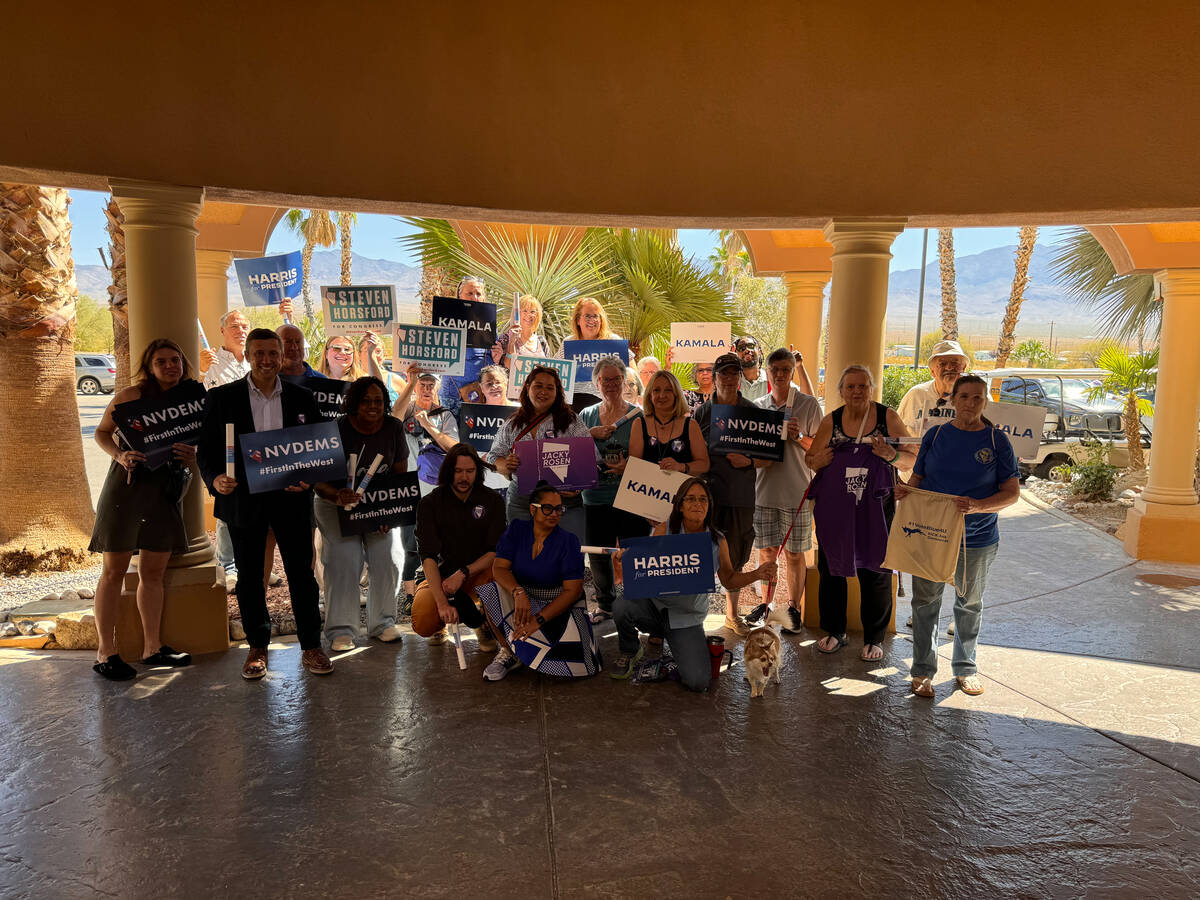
(948, 348)
(428, 375)
(727, 361)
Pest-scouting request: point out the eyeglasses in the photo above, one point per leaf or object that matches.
(549, 509)
(612, 379)
(704, 370)
(746, 345)
(342, 351)
(595, 316)
(698, 501)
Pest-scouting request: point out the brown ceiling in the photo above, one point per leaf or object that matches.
(767, 114)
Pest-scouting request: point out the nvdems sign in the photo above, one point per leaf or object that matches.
(748, 430)
(667, 565)
(388, 501)
(328, 392)
(478, 424)
(269, 279)
(278, 459)
(154, 426)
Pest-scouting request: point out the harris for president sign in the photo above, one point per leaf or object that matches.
(269, 279)
(668, 564)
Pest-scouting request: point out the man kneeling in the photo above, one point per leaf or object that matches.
(459, 524)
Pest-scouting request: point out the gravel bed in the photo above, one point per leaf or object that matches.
(21, 589)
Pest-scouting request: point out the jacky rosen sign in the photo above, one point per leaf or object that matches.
(648, 491)
(356, 308)
(568, 463)
(154, 426)
(748, 430)
(668, 564)
(278, 459)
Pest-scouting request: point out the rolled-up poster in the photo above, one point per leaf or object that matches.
(601, 551)
(361, 490)
(229, 468)
(629, 415)
(203, 338)
(462, 657)
(352, 468)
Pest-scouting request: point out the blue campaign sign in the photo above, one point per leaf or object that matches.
(328, 392)
(587, 353)
(389, 500)
(153, 426)
(267, 280)
(477, 316)
(748, 430)
(277, 459)
(669, 564)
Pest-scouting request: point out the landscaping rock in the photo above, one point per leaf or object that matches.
(9, 629)
(86, 593)
(25, 626)
(1128, 494)
(1127, 502)
(236, 631)
(72, 598)
(76, 631)
(51, 598)
(46, 626)
(287, 625)
(1060, 503)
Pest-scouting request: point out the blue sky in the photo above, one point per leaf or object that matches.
(375, 237)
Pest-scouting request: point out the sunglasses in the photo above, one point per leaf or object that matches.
(549, 509)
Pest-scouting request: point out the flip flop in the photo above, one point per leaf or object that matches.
(840, 640)
(922, 687)
(867, 649)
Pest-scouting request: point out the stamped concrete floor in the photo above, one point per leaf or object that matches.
(1077, 773)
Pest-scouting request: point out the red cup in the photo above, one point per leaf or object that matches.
(717, 653)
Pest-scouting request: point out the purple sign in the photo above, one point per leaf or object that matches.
(567, 462)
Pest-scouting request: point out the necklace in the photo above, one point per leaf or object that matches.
(659, 425)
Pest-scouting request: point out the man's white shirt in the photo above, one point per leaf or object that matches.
(225, 370)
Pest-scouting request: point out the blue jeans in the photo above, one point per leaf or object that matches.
(972, 574)
(343, 560)
(225, 549)
(689, 646)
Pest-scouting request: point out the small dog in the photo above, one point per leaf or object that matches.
(761, 654)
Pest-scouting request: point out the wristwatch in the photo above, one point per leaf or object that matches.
(540, 619)
(466, 572)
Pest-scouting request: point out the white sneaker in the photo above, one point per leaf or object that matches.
(908, 623)
(274, 580)
(950, 627)
(342, 643)
(389, 634)
(504, 663)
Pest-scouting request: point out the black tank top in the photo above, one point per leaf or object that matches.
(678, 449)
(839, 433)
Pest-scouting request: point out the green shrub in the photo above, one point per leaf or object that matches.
(1094, 478)
(897, 380)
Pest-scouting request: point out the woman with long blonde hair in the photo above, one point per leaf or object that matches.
(522, 339)
(339, 359)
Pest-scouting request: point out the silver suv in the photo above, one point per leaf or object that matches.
(95, 373)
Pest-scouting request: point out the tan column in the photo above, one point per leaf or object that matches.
(862, 249)
(212, 289)
(806, 292)
(1165, 520)
(160, 260)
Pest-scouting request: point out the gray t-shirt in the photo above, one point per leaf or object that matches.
(781, 485)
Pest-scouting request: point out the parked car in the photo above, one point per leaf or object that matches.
(95, 373)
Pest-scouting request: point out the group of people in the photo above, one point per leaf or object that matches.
(505, 558)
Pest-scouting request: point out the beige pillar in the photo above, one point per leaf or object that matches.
(1165, 520)
(806, 292)
(212, 290)
(862, 249)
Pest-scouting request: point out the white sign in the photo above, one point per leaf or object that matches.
(521, 366)
(648, 491)
(1023, 424)
(697, 342)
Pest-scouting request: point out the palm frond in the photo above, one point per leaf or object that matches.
(1124, 305)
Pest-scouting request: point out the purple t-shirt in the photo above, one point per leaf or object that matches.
(848, 510)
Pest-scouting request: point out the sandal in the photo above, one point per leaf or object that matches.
(115, 669)
(167, 656)
(970, 684)
(599, 615)
(922, 687)
(868, 655)
(839, 641)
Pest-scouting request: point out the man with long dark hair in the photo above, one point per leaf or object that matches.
(458, 525)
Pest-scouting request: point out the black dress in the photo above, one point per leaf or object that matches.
(140, 514)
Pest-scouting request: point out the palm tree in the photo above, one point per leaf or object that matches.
(949, 291)
(1125, 305)
(316, 228)
(1033, 353)
(652, 284)
(346, 222)
(1016, 297)
(45, 505)
(552, 268)
(729, 260)
(1128, 374)
(118, 293)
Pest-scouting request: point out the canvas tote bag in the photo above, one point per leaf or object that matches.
(927, 532)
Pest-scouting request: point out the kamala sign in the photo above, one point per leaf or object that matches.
(521, 366)
(668, 564)
(476, 316)
(478, 424)
(648, 491)
(699, 342)
(748, 430)
(354, 309)
(267, 280)
(389, 500)
(278, 459)
(154, 426)
(568, 463)
(587, 353)
(432, 347)
(328, 392)
(1023, 425)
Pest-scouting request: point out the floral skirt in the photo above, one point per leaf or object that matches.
(565, 646)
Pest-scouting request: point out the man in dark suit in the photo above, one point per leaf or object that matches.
(263, 402)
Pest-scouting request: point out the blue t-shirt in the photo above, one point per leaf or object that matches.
(560, 560)
(970, 464)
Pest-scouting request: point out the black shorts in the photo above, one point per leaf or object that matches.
(737, 524)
